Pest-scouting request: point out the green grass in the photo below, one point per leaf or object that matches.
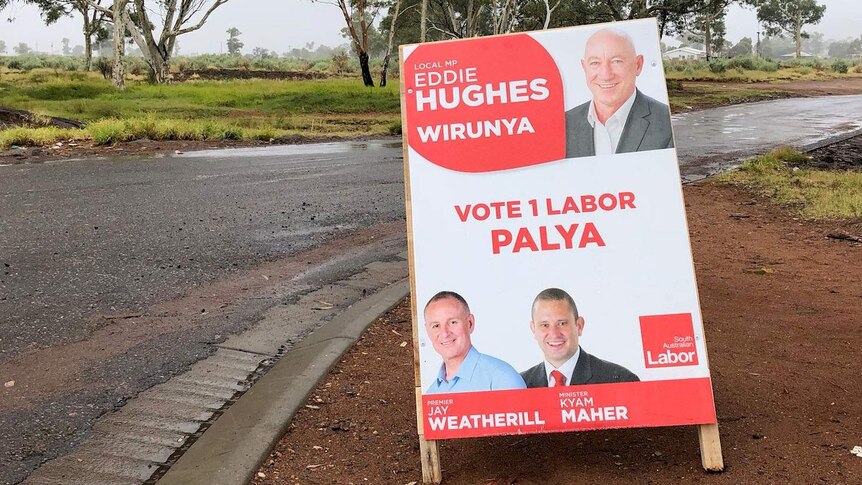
(201, 110)
(813, 194)
(37, 136)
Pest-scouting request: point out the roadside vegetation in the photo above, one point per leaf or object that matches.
(331, 105)
(783, 177)
(700, 84)
(195, 110)
(749, 69)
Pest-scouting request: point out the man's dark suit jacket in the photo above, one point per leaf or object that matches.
(647, 128)
(589, 370)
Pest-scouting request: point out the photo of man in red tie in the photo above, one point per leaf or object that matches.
(557, 327)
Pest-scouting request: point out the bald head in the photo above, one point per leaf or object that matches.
(611, 65)
(610, 36)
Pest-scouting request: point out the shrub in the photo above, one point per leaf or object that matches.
(395, 128)
(339, 64)
(232, 133)
(103, 65)
(717, 66)
(108, 131)
(840, 66)
(136, 66)
(320, 66)
(32, 62)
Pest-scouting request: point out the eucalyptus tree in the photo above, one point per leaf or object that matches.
(177, 17)
(789, 16)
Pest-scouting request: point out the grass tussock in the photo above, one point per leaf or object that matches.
(814, 194)
(37, 136)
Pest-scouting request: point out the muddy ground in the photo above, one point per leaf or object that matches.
(846, 155)
(77, 149)
(781, 302)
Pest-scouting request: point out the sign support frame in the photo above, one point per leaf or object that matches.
(710, 447)
(428, 449)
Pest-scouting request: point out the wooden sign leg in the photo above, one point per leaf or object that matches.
(710, 447)
(430, 457)
(431, 472)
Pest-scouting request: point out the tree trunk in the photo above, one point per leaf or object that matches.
(160, 69)
(88, 45)
(389, 44)
(798, 35)
(707, 35)
(423, 15)
(366, 70)
(383, 71)
(164, 74)
(118, 75)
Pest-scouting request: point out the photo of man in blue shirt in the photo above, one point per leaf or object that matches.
(449, 324)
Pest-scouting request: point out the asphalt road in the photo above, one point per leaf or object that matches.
(87, 243)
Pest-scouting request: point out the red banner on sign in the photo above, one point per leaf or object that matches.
(472, 109)
(547, 410)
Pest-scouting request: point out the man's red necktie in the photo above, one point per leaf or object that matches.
(559, 378)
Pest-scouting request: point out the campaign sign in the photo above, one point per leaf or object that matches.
(553, 282)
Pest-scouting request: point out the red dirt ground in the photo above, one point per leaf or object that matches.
(781, 303)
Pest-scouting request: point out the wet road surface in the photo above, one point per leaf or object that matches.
(88, 243)
(706, 140)
(90, 246)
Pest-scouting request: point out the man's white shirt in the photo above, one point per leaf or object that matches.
(606, 136)
(567, 369)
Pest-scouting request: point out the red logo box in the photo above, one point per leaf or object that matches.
(668, 340)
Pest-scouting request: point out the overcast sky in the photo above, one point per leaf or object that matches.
(284, 24)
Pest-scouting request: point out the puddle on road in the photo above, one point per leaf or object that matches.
(292, 150)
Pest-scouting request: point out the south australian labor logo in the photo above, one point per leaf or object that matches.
(668, 340)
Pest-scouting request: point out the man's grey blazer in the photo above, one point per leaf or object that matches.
(647, 128)
(589, 370)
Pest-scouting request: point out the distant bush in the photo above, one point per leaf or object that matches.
(742, 62)
(673, 84)
(395, 128)
(103, 65)
(31, 62)
(717, 66)
(136, 66)
(339, 64)
(841, 66)
(320, 66)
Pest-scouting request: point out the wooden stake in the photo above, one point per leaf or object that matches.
(431, 472)
(429, 455)
(710, 447)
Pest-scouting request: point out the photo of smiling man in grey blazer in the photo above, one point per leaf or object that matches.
(619, 118)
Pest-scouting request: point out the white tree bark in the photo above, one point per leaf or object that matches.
(549, 10)
(178, 19)
(118, 72)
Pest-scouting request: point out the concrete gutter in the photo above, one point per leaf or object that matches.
(237, 443)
